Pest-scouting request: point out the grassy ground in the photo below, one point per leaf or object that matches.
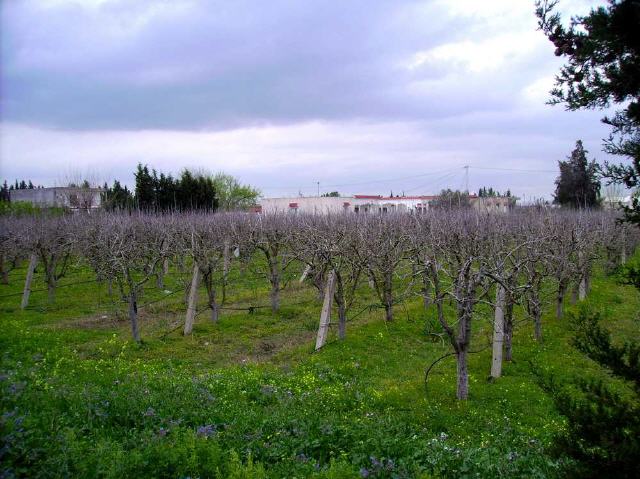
(247, 397)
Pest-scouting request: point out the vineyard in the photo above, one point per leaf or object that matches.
(242, 345)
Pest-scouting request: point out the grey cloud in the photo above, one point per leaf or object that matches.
(107, 83)
(218, 65)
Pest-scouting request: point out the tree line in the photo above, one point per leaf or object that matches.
(189, 191)
(160, 192)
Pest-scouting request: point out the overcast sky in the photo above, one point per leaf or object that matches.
(363, 96)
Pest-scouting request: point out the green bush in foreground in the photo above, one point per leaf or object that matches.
(603, 434)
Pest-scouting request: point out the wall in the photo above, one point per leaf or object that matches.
(372, 204)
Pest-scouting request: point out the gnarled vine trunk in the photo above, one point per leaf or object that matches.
(508, 327)
(133, 315)
(562, 291)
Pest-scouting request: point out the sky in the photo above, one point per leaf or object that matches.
(293, 97)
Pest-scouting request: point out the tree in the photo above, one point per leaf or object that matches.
(578, 185)
(328, 244)
(449, 199)
(117, 197)
(603, 427)
(4, 192)
(485, 192)
(332, 194)
(603, 52)
(50, 241)
(145, 188)
(10, 245)
(195, 191)
(382, 246)
(272, 236)
(191, 191)
(232, 195)
(127, 249)
(207, 241)
(458, 247)
(166, 192)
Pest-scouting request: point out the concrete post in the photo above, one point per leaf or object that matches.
(325, 315)
(33, 261)
(305, 273)
(193, 301)
(498, 333)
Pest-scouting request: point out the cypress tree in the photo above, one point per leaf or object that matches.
(578, 185)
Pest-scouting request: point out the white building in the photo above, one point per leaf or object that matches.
(371, 204)
(615, 202)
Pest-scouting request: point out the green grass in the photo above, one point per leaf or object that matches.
(247, 397)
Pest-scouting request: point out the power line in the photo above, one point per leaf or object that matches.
(446, 177)
(512, 169)
(447, 172)
(359, 183)
(392, 179)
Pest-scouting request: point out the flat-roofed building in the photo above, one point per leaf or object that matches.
(372, 204)
(61, 196)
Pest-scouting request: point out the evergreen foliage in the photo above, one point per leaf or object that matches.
(578, 185)
(117, 197)
(19, 185)
(164, 193)
(450, 199)
(4, 192)
(485, 192)
(595, 341)
(145, 188)
(603, 67)
(603, 433)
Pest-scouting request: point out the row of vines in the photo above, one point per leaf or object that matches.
(454, 260)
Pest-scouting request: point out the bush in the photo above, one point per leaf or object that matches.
(603, 432)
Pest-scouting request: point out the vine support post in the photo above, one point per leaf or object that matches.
(33, 261)
(325, 315)
(193, 300)
(305, 273)
(498, 333)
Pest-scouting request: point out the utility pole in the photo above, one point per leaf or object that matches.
(318, 189)
(466, 178)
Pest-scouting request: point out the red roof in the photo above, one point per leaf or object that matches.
(380, 197)
(419, 197)
(422, 197)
